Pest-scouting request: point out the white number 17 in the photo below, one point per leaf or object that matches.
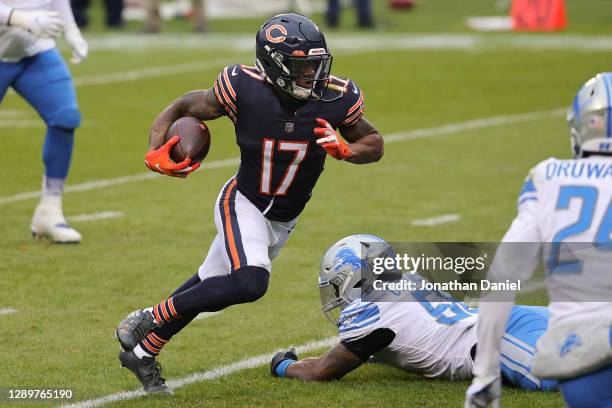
(267, 161)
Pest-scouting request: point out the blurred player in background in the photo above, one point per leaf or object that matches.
(424, 332)
(34, 68)
(569, 202)
(113, 8)
(285, 112)
(364, 13)
(153, 19)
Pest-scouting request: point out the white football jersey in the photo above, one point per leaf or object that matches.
(433, 336)
(568, 202)
(16, 43)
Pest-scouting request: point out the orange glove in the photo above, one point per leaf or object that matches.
(329, 139)
(159, 161)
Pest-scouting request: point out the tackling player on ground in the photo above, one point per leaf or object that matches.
(285, 111)
(424, 332)
(565, 211)
(34, 68)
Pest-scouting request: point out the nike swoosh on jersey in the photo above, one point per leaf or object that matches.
(234, 73)
(355, 89)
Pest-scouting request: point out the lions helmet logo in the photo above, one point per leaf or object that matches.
(278, 39)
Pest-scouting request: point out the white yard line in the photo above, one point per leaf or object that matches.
(95, 216)
(474, 124)
(391, 138)
(13, 113)
(343, 43)
(441, 219)
(153, 72)
(7, 311)
(533, 286)
(206, 315)
(212, 374)
(21, 123)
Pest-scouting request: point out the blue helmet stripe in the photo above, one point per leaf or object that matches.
(576, 109)
(606, 78)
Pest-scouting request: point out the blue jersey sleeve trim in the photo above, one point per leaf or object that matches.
(363, 318)
(528, 187)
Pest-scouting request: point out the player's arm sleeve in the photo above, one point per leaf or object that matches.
(5, 13)
(516, 258)
(353, 104)
(372, 343)
(226, 88)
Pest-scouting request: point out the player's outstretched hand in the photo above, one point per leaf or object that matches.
(77, 43)
(159, 161)
(329, 139)
(280, 357)
(43, 24)
(482, 392)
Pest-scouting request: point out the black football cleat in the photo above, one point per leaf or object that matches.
(134, 328)
(148, 372)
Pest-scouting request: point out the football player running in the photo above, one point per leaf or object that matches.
(567, 201)
(34, 68)
(288, 113)
(424, 332)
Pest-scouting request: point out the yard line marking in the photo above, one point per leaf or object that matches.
(22, 123)
(441, 219)
(360, 43)
(206, 315)
(95, 216)
(474, 124)
(533, 286)
(153, 72)
(96, 184)
(13, 113)
(7, 311)
(212, 374)
(392, 138)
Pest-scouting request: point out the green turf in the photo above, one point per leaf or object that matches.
(70, 298)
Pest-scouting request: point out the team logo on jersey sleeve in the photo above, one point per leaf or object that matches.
(277, 39)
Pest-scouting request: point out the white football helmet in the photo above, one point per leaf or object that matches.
(590, 118)
(341, 277)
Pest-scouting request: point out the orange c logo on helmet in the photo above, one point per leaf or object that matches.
(278, 39)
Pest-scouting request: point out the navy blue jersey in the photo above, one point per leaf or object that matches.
(280, 161)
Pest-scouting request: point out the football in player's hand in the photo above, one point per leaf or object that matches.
(194, 139)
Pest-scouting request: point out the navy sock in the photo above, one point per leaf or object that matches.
(168, 330)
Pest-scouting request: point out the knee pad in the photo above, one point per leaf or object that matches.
(252, 282)
(65, 118)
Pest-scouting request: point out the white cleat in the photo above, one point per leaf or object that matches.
(48, 221)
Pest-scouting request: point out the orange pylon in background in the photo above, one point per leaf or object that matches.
(538, 15)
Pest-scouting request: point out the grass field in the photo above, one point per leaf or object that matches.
(70, 298)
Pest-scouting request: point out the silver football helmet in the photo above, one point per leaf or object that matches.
(590, 118)
(341, 277)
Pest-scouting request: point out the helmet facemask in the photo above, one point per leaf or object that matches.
(303, 77)
(335, 293)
